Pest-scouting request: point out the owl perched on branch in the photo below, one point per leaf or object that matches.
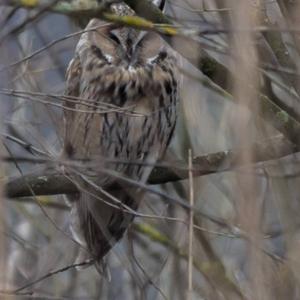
(120, 114)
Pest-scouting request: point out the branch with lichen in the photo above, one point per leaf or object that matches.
(210, 269)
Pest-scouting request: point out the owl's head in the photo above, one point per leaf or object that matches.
(124, 46)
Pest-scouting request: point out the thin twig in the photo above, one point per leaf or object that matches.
(50, 274)
(50, 44)
(191, 231)
(42, 10)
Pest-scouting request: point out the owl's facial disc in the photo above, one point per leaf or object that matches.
(124, 42)
(133, 48)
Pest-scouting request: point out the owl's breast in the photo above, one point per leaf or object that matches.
(139, 136)
(131, 114)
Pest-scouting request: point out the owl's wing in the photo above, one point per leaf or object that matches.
(92, 223)
(73, 76)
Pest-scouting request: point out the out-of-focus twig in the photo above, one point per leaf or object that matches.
(50, 274)
(191, 229)
(42, 9)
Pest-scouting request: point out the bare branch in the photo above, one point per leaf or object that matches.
(50, 274)
(191, 231)
(54, 183)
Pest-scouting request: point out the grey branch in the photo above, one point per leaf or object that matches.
(54, 183)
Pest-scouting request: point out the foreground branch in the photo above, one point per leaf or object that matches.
(55, 183)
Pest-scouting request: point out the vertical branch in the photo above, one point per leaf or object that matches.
(245, 92)
(191, 226)
(289, 215)
(2, 242)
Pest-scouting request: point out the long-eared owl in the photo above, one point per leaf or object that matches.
(120, 114)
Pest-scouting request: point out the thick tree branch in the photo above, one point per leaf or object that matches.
(54, 183)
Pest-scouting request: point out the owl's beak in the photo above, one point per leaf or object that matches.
(130, 52)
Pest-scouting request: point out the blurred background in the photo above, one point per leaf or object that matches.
(239, 116)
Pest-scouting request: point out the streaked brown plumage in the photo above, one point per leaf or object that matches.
(134, 71)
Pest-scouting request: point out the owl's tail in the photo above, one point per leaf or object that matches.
(98, 222)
